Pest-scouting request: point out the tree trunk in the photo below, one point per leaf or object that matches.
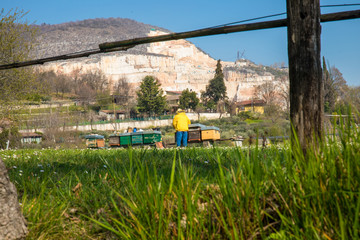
(12, 222)
(306, 84)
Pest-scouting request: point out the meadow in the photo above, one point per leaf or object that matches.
(191, 193)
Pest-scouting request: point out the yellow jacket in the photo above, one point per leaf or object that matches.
(181, 122)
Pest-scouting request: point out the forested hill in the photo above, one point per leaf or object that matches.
(88, 34)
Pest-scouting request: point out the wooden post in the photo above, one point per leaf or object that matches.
(306, 85)
(12, 222)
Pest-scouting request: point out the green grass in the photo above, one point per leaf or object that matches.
(193, 193)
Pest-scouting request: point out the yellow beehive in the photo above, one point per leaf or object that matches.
(212, 133)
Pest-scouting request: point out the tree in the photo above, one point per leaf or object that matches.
(61, 84)
(329, 90)
(334, 87)
(43, 81)
(306, 85)
(122, 94)
(188, 99)
(16, 38)
(353, 98)
(284, 92)
(266, 92)
(222, 106)
(338, 82)
(275, 93)
(216, 89)
(16, 44)
(91, 85)
(273, 112)
(151, 98)
(95, 80)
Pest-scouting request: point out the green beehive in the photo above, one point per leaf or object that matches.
(151, 137)
(125, 139)
(137, 138)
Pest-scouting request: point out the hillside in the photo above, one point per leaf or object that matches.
(178, 64)
(88, 34)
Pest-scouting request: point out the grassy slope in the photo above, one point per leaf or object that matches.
(215, 193)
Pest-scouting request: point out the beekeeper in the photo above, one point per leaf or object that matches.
(181, 124)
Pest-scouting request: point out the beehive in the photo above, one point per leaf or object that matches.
(125, 139)
(91, 143)
(100, 143)
(114, 140)
(210, 133)
(151, 137)
(95, 141)
(137, 138)
(194, 134)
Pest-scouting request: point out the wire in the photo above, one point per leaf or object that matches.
(280, 14)
(248, 20)
(283, 13)
(341, 5)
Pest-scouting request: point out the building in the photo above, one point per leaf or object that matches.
(173, 100)
(30, 137)
(111, 114)
(250, 105)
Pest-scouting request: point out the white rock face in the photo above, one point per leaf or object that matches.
(178, 65)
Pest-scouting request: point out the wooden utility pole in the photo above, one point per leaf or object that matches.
(306, 84)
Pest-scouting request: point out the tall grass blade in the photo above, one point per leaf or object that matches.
(172, 175)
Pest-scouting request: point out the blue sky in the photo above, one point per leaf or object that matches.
(340, 40)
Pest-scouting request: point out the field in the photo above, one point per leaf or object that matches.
(192, 193)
